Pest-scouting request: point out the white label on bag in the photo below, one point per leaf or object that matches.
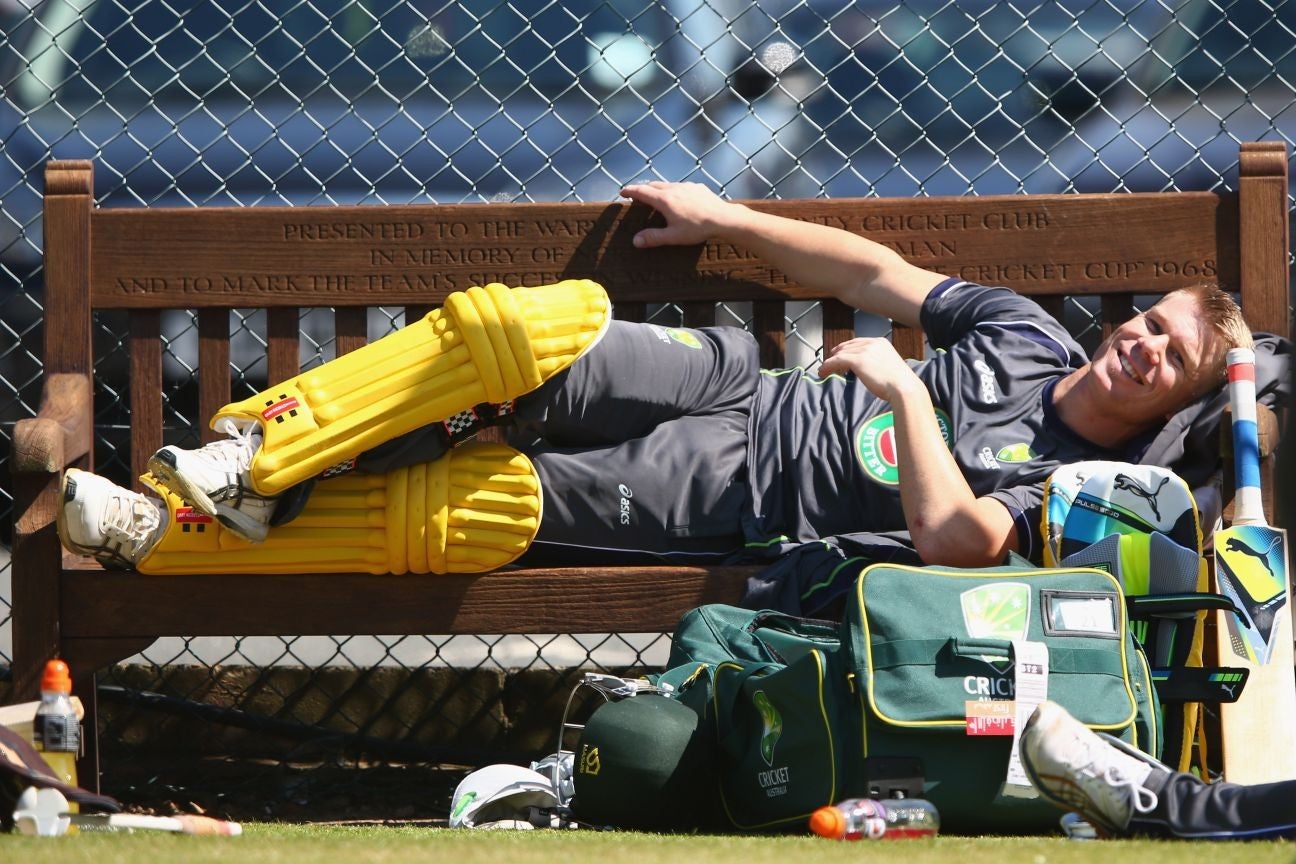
(1030, 668)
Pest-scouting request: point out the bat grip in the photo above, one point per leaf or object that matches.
(1248, 506)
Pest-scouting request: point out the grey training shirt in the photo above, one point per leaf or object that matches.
(821, 452)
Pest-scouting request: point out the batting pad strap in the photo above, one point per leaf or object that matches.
(486, 345)
(475, 509)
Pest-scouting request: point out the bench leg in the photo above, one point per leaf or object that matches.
(85, 657)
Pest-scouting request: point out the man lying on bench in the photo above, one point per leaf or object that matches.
(645, 444)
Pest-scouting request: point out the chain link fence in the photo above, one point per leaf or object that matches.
(306, 102)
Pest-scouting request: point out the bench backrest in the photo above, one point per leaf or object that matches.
(350, 257)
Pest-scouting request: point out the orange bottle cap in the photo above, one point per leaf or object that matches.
(828, 822)
(56, 677)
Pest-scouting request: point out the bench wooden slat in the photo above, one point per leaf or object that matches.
(282, 344)
(698, 314)
(908, 341)
(372, 256)
(770, 328)
(145, 388)
(213, 367)
(838, 324)
(630, 311)
(101, 604)
(1055, 306)
(1116, 310)
(351, 328)
(417, 311)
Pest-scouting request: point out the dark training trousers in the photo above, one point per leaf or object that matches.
(1189, 808)
(641, 447)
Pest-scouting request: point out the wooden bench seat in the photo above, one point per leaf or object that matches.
(213, 260)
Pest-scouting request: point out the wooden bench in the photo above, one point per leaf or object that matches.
(284, 259)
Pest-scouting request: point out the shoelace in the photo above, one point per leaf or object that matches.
(233, 454)
(1142, 798)
(130, 519)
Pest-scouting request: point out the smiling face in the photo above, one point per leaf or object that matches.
(1156, 363)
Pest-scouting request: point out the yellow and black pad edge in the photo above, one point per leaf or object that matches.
(475, 509)
(485, 345)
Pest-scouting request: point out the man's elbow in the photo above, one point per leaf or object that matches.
(955, 547)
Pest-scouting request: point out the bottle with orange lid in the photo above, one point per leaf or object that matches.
(57, 731)
(874, 819)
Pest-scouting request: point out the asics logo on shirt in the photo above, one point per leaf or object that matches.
(626, 495)
(988, 393)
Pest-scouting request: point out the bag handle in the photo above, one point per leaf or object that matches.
(978, 648)
(724, 713)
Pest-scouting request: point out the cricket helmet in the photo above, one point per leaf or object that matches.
(645, 763)
(499, 792)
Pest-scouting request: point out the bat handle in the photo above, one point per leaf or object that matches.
(1248, 506)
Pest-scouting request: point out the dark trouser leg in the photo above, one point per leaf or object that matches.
(674, 495)
(641, 375)
(637, 377)
(1187, 807)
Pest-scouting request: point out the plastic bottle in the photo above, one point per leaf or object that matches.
(57, 732)
(873, 819)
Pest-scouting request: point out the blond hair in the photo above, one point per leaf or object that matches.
(1224, 315)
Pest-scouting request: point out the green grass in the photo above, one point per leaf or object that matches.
(294, 843)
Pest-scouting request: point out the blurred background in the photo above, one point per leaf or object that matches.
(308, 102)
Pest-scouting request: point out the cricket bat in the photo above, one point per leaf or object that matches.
(1251, 569)
(130, 822)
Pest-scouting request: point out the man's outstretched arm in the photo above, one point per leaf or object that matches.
(855, 270)
(948, 523)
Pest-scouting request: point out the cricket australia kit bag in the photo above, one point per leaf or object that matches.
(920, 691)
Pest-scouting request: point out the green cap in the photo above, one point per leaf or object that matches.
(645, 762)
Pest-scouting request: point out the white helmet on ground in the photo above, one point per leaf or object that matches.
(497, 793)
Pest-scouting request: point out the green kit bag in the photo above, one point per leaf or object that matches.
(928, 648)
(914, 693)
(771, 686)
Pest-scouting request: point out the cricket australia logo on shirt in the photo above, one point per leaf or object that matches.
(1000, 610)
(1019, 452)
(676, 335)
(684, 337)
(875, 446)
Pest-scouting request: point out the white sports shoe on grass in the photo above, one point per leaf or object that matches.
(214, 479)
(97, 517)
(1097, 776)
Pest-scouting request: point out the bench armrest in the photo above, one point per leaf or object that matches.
(61, 432)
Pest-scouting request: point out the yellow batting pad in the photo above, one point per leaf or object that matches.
(475, 509)
(488, 344)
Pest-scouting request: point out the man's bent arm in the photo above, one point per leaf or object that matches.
(854, 269)
(947, 522)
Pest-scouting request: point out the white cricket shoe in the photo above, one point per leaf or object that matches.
(99, 518)
(214, 479)
(1098, 776)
